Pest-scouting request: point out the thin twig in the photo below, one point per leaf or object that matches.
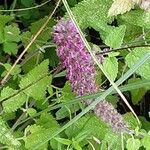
(25, 9)
(123, 48)
(32, 41)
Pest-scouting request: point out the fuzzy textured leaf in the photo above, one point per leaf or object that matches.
(92, 9)
(137, 17)
(12, 104)
(6, 137)
(120, 7)
(133, 144)
(95, 126)
(115, 37)
(146, 141)
(110, 65)
(133, 57)
(137, 94)
(45, 126)
(37, 90)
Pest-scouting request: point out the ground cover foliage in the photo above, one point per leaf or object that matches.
(79, 64)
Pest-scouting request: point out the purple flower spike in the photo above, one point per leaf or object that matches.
(110, 115)
(75, 58)
(81, 70)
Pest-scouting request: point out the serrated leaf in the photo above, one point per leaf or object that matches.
(136, 94)
(47, 121)
(31, 111)
(10, 38)
(6, 137)
(37, 135)
(45, 126)
(37, 90)
(113, 140)
(146, 141)
(92, 9)
(31, 63)
(63, 141)
(145, 123)
(15, 71)
(137, 17)
(120, 7)
(10, 48)
(52, 56)
(67, 95)
(133, 57)
(131, 121)
(66, 111)
(110, 66)
(133, 144)
(42, 38)
(76, 145)
(5, 19)
(91, 124)
(11, 34)
(12, 104)
(132, 31)
(115, 38)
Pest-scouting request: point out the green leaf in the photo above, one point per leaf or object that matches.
(10, 48)
(31, 111)
(146, 141)
(133, 144)
(11, 34)
(113, 140)
(37, 134)
(27, 3)
(110, 66)
(37, 90)
(133, 57)
(45, 126)
(6, 137)
(131, 120)
(42, 38)
(115, 38)
(145, 123)
(5, 19)
(31, 63)
(137, 17)
(12, 104)
(137, 94)
(91, 124)
(132, 31)
(120, 7)
(15, 71)
(11, 37)
(67, 95)
(88, 11)
(50, 53)
(76, 145)
(47, 121)
(63, 141)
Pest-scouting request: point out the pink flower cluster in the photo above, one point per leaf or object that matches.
(75, 58)
(81, 70)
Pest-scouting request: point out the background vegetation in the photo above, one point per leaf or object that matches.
(39, 109)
